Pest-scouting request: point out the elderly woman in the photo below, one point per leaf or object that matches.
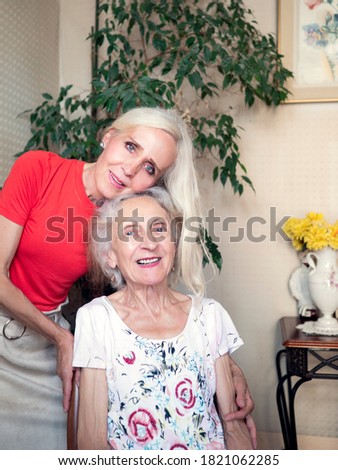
(153, 358)
(45, 207)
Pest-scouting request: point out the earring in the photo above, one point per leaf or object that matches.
(102, 145)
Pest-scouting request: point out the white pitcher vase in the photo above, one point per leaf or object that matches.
(323, 285)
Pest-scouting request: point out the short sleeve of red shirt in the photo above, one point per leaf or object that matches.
(22, 186)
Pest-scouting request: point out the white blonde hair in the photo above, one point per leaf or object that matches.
(180, 179)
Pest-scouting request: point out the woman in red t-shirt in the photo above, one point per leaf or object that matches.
(45, 208)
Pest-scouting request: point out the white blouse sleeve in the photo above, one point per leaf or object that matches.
(89, 338)
(221, 331)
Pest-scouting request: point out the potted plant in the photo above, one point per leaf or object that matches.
(183, 54)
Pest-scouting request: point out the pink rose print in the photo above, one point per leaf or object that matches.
(129, 358)
(178, 447)
(142, 425)
(312, 3)
(185, 394)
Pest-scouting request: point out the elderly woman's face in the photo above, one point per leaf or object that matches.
(142, 245)
(132, 162)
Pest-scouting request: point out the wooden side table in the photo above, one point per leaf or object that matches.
(298, 347)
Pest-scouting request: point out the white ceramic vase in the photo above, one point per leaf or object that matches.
(323, 285)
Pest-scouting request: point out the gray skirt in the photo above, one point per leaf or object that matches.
(31, 412)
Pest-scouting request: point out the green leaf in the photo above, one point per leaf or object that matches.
(190, 41)
(159, 42)
(195, 80)
(182, 54)
(215, 173)
(213, 251)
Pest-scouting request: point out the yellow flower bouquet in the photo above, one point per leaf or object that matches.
(311, 233)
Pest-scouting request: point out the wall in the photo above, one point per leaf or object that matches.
(291, 156)
(29, 66)
(76, 20)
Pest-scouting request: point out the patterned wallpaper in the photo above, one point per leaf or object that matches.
(29, 63)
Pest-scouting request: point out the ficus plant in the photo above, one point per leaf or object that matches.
(185, 54)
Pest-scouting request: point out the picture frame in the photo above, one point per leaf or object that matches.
(308, 42)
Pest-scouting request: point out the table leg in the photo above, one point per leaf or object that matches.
(286, 403)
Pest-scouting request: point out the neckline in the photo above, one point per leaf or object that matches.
(155, 340)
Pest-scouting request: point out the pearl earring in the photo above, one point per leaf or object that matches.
(102, 145)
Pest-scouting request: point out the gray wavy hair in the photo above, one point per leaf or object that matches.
(102, 229)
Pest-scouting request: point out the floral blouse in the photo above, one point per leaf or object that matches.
(161, 391)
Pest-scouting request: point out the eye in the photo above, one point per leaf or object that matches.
(131, 147)
(130, 231)
(159, 228)
(149, 167)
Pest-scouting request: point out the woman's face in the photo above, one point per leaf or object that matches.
(142, 245)
(133, 161)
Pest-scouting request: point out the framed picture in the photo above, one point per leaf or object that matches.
(308, 40)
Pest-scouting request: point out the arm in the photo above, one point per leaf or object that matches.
(93, 409)
(20, 308)
(236, 433)
(243, 400)
(243, 397)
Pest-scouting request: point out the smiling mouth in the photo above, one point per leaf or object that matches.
(148, 261)
(115, 180)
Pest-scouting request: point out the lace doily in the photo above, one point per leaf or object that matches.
(312, 328)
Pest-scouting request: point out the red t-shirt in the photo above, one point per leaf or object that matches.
(45, 194)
